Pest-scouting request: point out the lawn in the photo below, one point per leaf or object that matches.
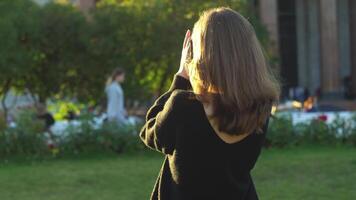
(297, 173)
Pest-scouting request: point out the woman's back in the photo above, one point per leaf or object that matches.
(199, 164)
(212, 121)
(208, 166)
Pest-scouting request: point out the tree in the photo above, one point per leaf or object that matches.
(57, 51)
(146, 36)
(17, 26)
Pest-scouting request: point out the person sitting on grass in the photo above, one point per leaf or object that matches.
(47, 118)
(213, 120)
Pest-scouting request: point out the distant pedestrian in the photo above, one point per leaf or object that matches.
(115, 97)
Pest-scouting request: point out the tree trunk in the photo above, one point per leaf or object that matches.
(4, 91)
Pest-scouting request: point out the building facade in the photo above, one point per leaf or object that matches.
(316, 43)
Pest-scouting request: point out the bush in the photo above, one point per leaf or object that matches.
(26, 138)
(107, 138)
(119, 139)
(351, 137)
(318, 132)
(79, 139)
(280, 132)
(342, 128)
(351, 140)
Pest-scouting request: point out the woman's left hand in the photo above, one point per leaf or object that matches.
(186, 45)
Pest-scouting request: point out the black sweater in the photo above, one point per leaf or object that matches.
(198, 164)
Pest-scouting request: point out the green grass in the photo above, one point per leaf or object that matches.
(293, 174)
(307, 173)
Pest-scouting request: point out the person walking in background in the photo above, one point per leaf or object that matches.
(212, 122)
(116, 111)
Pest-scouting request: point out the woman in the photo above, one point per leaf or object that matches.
(212, 121)
(115, 97)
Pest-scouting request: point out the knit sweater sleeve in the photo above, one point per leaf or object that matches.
(159, 131)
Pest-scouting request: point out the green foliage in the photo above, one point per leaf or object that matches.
(351, 139)
(146, 37)
(108, 138)
(62, 107)
(27, 121)
(3, 123)
(119, 138)
(56, 51)
(80, 139)
(280, 132)
(343, 128)
(29, 139)
(318, 132)
(351, 136)
(26, 138)
(18, 27)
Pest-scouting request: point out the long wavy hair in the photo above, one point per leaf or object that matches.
(228, 70)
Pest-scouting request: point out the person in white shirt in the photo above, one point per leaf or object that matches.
(115, 97)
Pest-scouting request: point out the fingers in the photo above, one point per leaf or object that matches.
(186, 38)
(188, 43)
(188, 49)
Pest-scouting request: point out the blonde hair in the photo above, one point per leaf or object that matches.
(229, 70)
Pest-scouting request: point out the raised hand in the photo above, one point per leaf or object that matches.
(183, 71)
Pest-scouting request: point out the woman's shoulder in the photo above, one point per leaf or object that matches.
(184, 103)
(113, 87)
(183, 96)
(182, 100)
(110, 86)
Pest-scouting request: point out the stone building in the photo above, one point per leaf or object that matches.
(316, 43)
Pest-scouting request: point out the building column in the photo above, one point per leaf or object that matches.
(352, 11)
(302, 49)
(313, 45)
(268, 11)
(344, 37)
(308, 43)
(330, 64)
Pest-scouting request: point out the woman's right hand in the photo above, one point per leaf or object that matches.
(183, 71)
